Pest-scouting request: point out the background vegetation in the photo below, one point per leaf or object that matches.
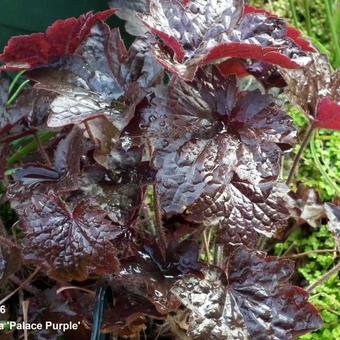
(320, 166)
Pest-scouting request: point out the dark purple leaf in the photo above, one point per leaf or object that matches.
(252, 299)
(127, 11)
(316, 90)
(128, 307)
(217, 152)
(292, 33)
(102, 78)
(204, 32)
(47, 305)
(333, 214)
(121, 201)
(149, 275)
(69, 243)
(62, 177)
(29, 112)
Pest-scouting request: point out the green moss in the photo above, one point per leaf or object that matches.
(327, 296)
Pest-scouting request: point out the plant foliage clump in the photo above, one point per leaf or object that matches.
(138, 158)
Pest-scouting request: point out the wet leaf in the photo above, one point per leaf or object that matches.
(204, 32)
(252, 299)
(39, 49)
(63, 177)
(217, 153)
(102, 78)
(149, 275)
(316, 90)
(69, 243)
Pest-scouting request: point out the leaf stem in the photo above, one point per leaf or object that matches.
(324, 278)
(306, 5)
(158, 220)
(306, 139)
(29, 279)
(32, 146)
(42, 150)
(206, 242)
(76, 288)
(293, 11)
(311, 252)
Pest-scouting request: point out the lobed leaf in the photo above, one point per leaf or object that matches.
(69, 244)
(217, 153)
(149, 275)
(62, 38)
(204, 32)
(316, 90)
(252, 299)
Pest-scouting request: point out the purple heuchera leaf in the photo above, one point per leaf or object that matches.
(316, 90)
(252, 299)
(149, 275)
(69, 243)
(102, 78)
(63, 177)
(217, 151)
(203, 32)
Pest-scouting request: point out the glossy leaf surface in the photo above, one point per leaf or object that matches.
(217, 154)
(252, 299)
(204, 32)
(69, 244)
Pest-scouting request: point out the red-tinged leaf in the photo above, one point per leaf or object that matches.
(316, 90)
(63, 177)
(70, 244)
(251, 299)
(333, 214)
(233, 67)
(60, 39)
(265, 73)
(328, 114)
(199, 32)
(292, 33)
(113, 80)
(270, 54)
(217, 155)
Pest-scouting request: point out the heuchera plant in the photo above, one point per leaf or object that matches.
(145, 156)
